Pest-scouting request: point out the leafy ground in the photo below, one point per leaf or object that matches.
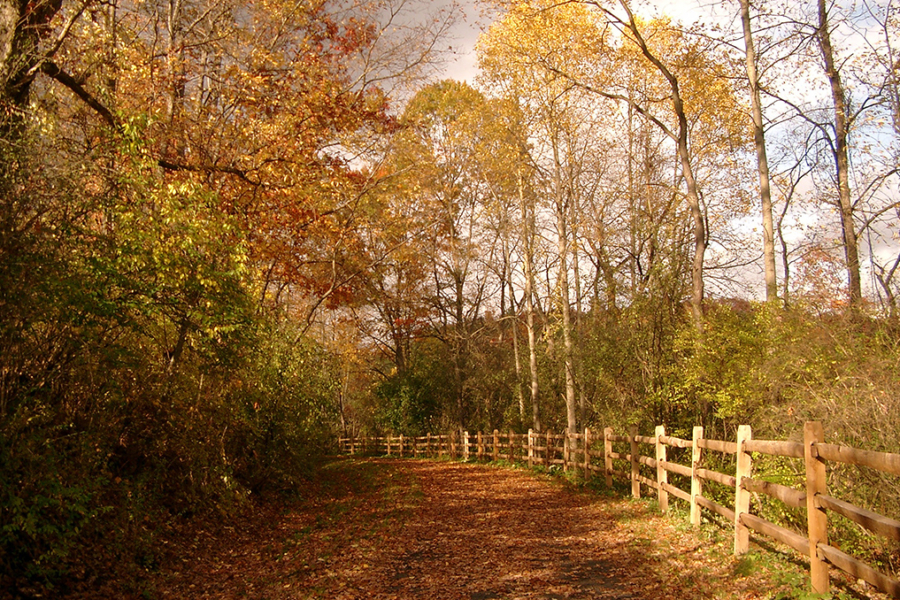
(411, 529)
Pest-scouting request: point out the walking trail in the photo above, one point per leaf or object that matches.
(412, 529)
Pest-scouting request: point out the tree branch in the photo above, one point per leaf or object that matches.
(50, 69)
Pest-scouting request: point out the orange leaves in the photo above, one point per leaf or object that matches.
(417, 529)
(265, 88)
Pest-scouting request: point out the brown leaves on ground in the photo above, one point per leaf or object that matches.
(410, 529)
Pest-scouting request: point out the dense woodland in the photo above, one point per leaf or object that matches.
(232, 231)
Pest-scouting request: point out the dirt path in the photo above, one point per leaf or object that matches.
(410, 529)
(484, 533)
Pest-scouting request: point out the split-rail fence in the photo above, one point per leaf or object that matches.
(620, 456)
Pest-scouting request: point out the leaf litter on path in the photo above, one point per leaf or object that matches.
(417, 529)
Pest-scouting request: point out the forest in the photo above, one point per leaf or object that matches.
(231, 232)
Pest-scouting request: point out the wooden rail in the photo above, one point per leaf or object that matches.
(578, 451)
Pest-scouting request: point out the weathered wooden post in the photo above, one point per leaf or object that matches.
(587, 454)
(401, 445)
(741, 495)
(566, 450)
(530, 448)
(817, 518)
(662, 476)
(548, 444)
(495, 451)
(428, 445)
(510, 439)
(696, 482)
(635, 465)
(607, 455)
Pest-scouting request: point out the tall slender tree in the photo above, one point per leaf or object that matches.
(762, 160)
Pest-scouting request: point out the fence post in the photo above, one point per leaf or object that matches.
(817, 518)
(607, 455)
(566, 450)
(548, 444)
(510, 440)
(635, 465)
(530, 448)
(662, 476)
(742, 496)
(696, 482)
(401, 445)
(587, 453)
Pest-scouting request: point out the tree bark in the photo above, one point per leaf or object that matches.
(762, 159)
(841, 157)
(22, 26)
(520, 396)
(528, 225)
(684, 155)
(562, 201)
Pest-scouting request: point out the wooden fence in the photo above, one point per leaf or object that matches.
(620, 456)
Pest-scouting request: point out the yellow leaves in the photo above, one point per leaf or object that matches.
(543, 48)
(534, 35)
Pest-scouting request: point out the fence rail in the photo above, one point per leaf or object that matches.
(620, 456)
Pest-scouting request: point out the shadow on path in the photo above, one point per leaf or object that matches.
(483, 533)
(437, 530)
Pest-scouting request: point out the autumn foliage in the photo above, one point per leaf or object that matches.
(231, 231)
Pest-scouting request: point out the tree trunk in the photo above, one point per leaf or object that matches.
(683, 148)
(520, 396)
(528, 225)
(762, 160)
(841, 157)
(562, 233)
(22, 25)
(579, 317)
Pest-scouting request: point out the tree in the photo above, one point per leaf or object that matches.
(842, 123)
(507, 55)
(759, 140)
(183, 184)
